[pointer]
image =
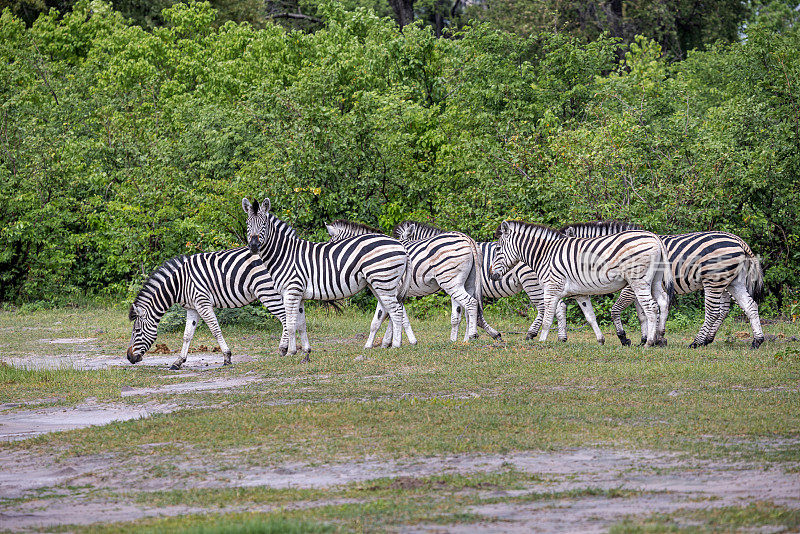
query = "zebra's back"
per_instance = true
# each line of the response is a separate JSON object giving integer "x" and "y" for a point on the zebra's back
{"x": 231, "y": 279}
{"x": 339, "y": 269}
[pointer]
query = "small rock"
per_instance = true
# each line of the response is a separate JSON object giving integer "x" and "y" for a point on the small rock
{"x": 673, "y": 393}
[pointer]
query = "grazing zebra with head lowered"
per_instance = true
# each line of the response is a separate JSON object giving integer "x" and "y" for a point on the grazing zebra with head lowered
{"x": 330, "y": 271}
{"x": 439, "y": 260}
{"x": 719, "y": 263}
{"x": 200, "y": 283}
{"x": 576, "y": 267}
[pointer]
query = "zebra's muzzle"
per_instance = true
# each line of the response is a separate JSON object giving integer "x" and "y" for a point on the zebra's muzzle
{"x": 254, "y": 244}
{"x": 131, "y": 357}
{"x": 495, "y": 276}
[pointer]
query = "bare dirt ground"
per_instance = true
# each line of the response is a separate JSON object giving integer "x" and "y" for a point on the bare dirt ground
{"x": 42, "y": 490}
{"x": 670, "y": 482}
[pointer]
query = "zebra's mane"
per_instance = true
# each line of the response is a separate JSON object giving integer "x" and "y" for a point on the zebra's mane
{"x": 548, "y": 230}
{"x": 153, "y": 282}
{"x": 601, "y": 227}
{"x": 424, "y": 226}
{"x": 355, "y": 227}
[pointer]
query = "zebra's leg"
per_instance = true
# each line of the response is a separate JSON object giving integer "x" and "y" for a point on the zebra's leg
{"x": 377, "y": 321}
{"x": 561, "y": 319}
{"x": 724, "y": 310}
{"x": 534, "y": 292}
{"x": 486, "y": 326}
{"x": 462, "y": 297}
{"x": 662, "y": 300}
{"x": 551, "y": 303}
{"x": 192, "y": 317}
{"x": 455, "y": 318}
{"x": 750, "y": 308}
{"x": 412, "y": 339}
{"x": 301, "y": 327}
{"x": 207, "y": 313}
{"x": 643, "y": 293}
{"x": 642, "y": 320}
{"x": 626, "y": 297}
{"x": 713, "y": 297}
{"x": 292, "y": 301}
{"x": 586, "y": 306}
{"x": 395, "y": 311}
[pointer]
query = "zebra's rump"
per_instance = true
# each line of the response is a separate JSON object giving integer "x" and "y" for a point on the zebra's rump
{"x": 705, "y": 259}
{"x": 437, "y": 259}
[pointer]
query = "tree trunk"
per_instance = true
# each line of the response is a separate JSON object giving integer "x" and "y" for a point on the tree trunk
{"x": 403, "y": 10}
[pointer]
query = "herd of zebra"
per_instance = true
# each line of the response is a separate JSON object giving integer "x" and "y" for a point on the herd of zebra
{"x": 281, "y": 271}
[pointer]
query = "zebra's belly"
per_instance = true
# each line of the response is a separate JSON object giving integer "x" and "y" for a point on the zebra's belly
{"x": 421, "y": 289}
{"x": 321, "y": 292}
{"x": 594, "y": 287}
{"x": 232, "y": 301}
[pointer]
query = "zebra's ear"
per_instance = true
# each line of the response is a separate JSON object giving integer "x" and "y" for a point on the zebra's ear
{"x": 265, "y": 207}
{"x": 330, "y": 229}
{"x": 246, "y": 205}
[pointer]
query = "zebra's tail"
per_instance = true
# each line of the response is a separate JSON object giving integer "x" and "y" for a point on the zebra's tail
{"x": 475, "y": 279}
{"x": 669, "y": 277}
{"x": 754, "y": 277}
{"x": 405, "y": 283}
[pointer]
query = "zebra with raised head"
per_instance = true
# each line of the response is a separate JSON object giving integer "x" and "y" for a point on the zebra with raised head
{"x": 576, "y": 267}
{"x": 719, "y": 263}
{"x": 305, "y": 270}
{"x": 201, "y": 282}
{"x": 442, "y": 260}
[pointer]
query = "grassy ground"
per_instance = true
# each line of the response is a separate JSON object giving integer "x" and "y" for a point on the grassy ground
{"x": 722, "y": 403}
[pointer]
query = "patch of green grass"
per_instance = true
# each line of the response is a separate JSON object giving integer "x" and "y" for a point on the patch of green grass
{"x": 725, "y": 519}
{"x": 241, "y": 523}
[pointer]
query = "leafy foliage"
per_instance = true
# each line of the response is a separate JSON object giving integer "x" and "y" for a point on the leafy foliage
{"x": 121, "y": 147}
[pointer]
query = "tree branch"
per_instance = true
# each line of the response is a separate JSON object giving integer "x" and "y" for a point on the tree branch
{"x": 298, "y": 16}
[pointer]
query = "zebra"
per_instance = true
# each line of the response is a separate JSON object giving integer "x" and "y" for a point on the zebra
{"x": 719, "y": 263}
{"x": 439, "y": 260}
{"x": 330, "y": 271}
{"x": 569, "y": 266}
{"x": 519, "y": 278}
{"x": 201, "y": 282}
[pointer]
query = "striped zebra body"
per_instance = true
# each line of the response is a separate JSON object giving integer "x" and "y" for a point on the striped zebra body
{"x": 578, "y": 267}
{"x": 439, "y": 260}
{"x": 329, "y": 271}
{"x": 719, "y": 263}
{"x": 201, "y": 282}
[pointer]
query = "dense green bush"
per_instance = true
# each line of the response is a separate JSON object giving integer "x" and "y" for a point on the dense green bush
{"x": 121, "y": 147}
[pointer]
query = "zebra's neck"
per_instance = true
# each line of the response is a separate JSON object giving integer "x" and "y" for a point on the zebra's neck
{"x": 164, "y": 288}
{"x": 535, "y": 244}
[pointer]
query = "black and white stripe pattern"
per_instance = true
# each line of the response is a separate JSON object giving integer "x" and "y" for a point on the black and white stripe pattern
{"x": 329, "y": 271}
{"x": 719, "y": 263}
{"x": 200, "y": 283}
{"x": 449, "y": 261}
{"x": 578, "y": 267}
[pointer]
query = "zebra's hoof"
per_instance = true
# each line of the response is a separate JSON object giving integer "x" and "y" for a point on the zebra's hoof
{"x": 562, "y": 339}
{"x": 174, "y": 367}
{"x": 624, "y": 340}
{"x": 530, "y": 336}
{"x": 498, "y": 337}
{"x": 694, "y": 345}
{"x": 757, "y": 342}
{"x": 602, "y": 341}
{"x": 662, "y": 342}
{"x": 306, "y": 359}
{"x": 282, "y": 351}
